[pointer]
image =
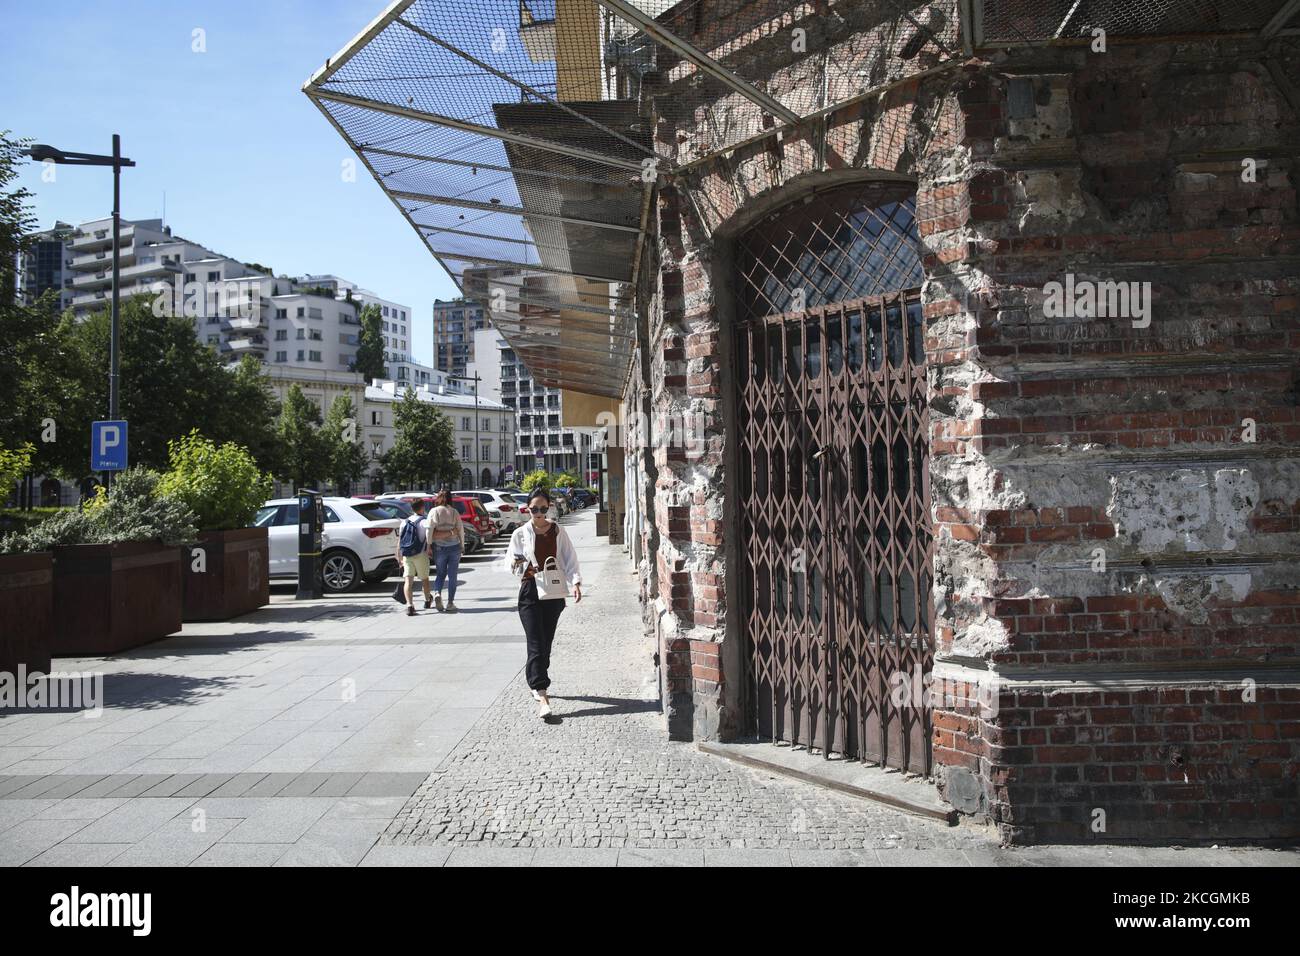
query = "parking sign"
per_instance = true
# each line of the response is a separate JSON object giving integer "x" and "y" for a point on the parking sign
{"x": 108, "y": 446}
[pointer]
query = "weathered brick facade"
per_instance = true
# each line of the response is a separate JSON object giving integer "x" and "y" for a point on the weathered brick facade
{"x": 1116, "y": 502}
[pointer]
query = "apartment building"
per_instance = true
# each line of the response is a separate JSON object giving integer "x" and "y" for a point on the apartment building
{"x": 454, "y": 323}
{"x": 484, "y": 431}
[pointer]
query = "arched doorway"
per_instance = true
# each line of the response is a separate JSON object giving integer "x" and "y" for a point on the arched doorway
{"x": 833, "y": 474}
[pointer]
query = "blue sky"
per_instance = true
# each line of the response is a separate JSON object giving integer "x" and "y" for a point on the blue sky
{"x": 249, "y": 166}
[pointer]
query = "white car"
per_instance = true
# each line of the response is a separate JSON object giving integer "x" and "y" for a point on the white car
{"x": 359, "y": 541}
{"x": 501, "y": 507}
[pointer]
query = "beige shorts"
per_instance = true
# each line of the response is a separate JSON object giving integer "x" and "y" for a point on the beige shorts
{"x": 416, "y": 565}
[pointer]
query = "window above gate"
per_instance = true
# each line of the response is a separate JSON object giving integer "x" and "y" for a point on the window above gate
{"x": 849, "y": 242}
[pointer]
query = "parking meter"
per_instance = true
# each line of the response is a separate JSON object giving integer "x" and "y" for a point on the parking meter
{"x": 311, "y": 523}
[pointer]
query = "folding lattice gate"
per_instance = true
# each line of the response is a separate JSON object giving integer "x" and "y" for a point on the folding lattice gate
{"x": 834, "y": 486}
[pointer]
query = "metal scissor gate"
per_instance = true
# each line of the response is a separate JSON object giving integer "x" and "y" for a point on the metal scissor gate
{"x": 833, "y": 475}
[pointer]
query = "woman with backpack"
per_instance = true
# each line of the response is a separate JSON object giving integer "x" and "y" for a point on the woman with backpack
{"x": 446, "y": 543}
{"x": 543, "y": 554}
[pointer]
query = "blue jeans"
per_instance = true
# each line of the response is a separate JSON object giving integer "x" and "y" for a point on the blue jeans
{"x": 446, "y": 559}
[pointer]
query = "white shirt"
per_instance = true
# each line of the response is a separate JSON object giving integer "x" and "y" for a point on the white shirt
{"x": 523, "y": 544}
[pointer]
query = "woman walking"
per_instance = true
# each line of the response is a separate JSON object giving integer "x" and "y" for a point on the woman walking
{"x": 532, "y": 546}
{"x": 447, "y": 541}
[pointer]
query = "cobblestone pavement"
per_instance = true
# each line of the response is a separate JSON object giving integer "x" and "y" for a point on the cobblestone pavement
{"x": 603, "y": 774}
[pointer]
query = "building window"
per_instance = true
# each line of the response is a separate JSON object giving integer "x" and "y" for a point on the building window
{"x": 465, "y": 424}
{"x": 302, "y": 333}
{"x": 301, "y": 312}
{"x": 282, "y": 356}
{"x": 464, "y": 451}
{"x": 300, "y": 355}
{"x": 313, "y": 356}
{"x": 281, "y": 313}
{"x": 214, "y": 276}
{"x": 281, "y": 335}
{"x": 376, "y": 418}
{"x": 315, "y": 335}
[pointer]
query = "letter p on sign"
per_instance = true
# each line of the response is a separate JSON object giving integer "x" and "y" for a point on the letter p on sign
{"x": 108, "y": 446}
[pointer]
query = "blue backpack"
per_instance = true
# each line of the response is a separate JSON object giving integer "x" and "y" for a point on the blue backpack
{"x": 411, "y": 544}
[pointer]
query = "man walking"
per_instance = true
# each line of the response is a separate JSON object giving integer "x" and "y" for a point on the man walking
{"x": 413, "y": 553}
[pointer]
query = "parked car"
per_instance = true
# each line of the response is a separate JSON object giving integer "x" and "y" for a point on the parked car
{"x": 501, "y": 507}
{"x": 579, "y": 498}
{"x": 475, "y": 515}
{"x": 359, "y": 542}
{"x": 402, "y": 508}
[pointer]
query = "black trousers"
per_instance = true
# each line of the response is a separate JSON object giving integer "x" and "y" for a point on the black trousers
{"x": 539, "y": 619}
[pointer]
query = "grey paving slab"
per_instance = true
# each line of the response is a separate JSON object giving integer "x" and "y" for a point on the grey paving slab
{"x": 270, "y": 784}
{"x": 337, "y": 784}
{"x": 9, "y": 784}
{"x": 36, "y": 786}
{"x": 304, "y": 785}
{"x": 924, "y": 857}
{"x": 29, "y": 839}
{"x": 79, "y": 854}
{"x": 138, "y": 784}
{"x": 490, "y": 856}
{"x": 81, "y": 808}
{"x": 16, "y": 811}
{"x": 389, "y": 855}
{"x": 283, "y": 820}
{"x": 660, "y": 857}
{"x": 105, "y": 785}
{"x": 175, "y": 843}
{"x": 242, "y": 854}
{"x": 571, "y": 856}
{"x": 387, "y": 784}
{"x": 366, "y": 808}
{"x": 728, "y": 856}
{"x": 333, "y": 842}
{"x": 839, "y": 858}
{"x": 237, "y": 785}
{"x": 133, "y": 820}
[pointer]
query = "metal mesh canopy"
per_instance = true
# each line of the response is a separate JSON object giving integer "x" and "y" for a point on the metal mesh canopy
{"x": 518, "y": 137}
{"x": 1012, "y": 20}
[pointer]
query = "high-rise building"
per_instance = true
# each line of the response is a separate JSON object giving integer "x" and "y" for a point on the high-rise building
{"x": 541, "y": 438}
{"x": 454, "y": 323}
{"x": 45, "y": 265}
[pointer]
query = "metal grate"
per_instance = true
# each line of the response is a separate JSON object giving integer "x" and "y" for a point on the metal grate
{"x": 1036, "y": 20}
{"x": 834, "y": 492}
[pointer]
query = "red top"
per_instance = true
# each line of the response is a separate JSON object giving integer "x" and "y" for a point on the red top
{"x": 544, "y": 547}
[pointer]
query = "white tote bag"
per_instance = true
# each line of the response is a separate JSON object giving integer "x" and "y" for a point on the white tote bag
{"x": 550, "y": 582}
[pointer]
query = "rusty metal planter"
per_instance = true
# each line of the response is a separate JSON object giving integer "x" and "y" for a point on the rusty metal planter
{"x": 234, "y": 581}
{"x": 26, "y": 611}
{"x": 112, "y": 597}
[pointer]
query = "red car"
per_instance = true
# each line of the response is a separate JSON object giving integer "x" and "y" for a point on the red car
{"x": 474, "y": 514}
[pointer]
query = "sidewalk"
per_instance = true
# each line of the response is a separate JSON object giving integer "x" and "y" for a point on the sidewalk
{"x": 341, "y": 732}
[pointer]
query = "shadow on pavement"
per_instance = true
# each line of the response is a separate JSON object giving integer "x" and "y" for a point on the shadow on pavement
{"x": 614, "y": 706}
{"x": 130, "y": 691}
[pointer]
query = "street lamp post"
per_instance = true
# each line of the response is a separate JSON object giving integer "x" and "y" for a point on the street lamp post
{"x": 42, "y": 153}
{"x": 477, "y": 451}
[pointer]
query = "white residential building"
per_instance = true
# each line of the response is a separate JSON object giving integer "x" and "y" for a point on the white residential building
{"x": 489, "y": 425}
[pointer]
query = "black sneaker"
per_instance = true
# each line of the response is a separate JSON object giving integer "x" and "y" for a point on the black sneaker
{"x": 410, "y": 612}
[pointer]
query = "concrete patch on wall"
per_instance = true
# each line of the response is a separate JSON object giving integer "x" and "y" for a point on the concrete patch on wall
{"x": 1187, "y": 595}
{"x": 1184, "y": 510}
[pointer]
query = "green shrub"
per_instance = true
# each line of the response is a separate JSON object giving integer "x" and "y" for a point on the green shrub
{"x": 135, "y": 510}
{"x": 221, "y": 484}
{"x": 14, "y": 463}
{"x": 534, "y": 480}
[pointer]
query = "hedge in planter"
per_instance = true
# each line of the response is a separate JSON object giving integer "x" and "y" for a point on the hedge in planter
{"x": 26, "y": 589}
{"x": 226, "y": 572}
{"x": 117, "y": 569}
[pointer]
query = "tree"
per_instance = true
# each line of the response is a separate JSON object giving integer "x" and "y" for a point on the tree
{"x": 304, "y": 457}
{"x": 248, "y": 412}
{"x": 347, "y": 450}
{"x": 370, "y": 345}
{"x": 425, "y": 449}
{"x": 16, "y": 220}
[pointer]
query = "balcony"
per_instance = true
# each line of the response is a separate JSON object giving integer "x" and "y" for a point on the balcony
{"x": 247, "y": 324}
{"x": 104, "y": 278}
{"x": 99, "y": 239}
{"x": 245, "y": 344}
{"x": 103, "y": 259}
